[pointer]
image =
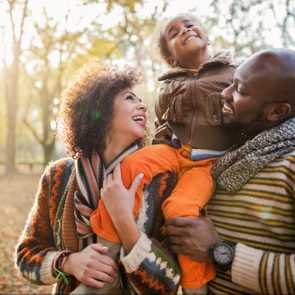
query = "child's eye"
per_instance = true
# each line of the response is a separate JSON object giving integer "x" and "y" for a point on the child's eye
{"x": 173, "y": 34}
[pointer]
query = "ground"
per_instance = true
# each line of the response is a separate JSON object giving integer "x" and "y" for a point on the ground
{"x": 16, "y": 198}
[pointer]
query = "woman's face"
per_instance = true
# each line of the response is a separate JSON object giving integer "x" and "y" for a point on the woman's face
{"x": 129, "y": 120}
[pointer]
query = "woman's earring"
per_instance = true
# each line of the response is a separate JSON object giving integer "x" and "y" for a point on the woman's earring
{"x": 175, "y": 63}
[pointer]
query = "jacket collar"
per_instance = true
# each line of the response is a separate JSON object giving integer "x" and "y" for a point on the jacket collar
{"x": 221, "y": 57}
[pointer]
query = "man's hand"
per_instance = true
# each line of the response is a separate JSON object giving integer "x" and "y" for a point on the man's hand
{"x": 192, "y": 237}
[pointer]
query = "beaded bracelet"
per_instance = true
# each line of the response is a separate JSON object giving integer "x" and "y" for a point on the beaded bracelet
{"x": 57, "y": 265}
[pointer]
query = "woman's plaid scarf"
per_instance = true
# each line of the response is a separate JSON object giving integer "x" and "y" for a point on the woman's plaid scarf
{"x": 90, "y": 173}
{"x": 237, "y": 166}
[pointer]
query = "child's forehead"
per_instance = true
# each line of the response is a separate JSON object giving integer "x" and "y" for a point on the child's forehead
{"x": 178, "y": 19}
{"x": 175, "y": 21}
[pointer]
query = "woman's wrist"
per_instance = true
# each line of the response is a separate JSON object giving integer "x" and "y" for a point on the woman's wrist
{"x": 66, "y": 265}
{"x": 128, "y": 232}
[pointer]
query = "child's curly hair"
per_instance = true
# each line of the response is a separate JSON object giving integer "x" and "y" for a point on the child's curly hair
{"x": 87, "y": 107}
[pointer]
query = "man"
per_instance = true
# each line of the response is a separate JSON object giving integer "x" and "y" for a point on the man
{"x": 251, "y": 238}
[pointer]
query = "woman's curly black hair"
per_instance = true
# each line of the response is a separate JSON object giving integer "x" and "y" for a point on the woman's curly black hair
{"x": 87, "y": 106}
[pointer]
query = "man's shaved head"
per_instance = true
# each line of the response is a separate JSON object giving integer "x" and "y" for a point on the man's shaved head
{"x": 262, "y": 94}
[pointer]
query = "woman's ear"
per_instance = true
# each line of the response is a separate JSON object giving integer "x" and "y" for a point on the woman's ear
{"x": 172, "y": 62}
{"x": 277, "y": 112}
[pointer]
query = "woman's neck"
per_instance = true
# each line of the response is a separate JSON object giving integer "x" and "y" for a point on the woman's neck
{"x": 113, "y": 149}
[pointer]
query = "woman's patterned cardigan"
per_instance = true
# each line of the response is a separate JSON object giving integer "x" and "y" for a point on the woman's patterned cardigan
{"x": 50, "y": 228}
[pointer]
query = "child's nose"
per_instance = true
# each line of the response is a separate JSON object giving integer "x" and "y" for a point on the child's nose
{"x": 185, "y": 30}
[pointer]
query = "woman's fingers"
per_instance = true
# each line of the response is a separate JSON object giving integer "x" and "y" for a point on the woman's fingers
{"x": 93, "y": 283}
{"x": 104, "y": 259}
{"x": 99, "y": 247}
{"x": 117, "y": 173}
{"x": 100, "y": 275}
{"x": 135, "y": 183}
{"x": 110, "y": 178}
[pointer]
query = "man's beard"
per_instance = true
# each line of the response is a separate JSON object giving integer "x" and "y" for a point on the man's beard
{"x": 245, "y": 131}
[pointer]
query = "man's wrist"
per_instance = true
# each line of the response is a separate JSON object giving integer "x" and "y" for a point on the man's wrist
{"x": 222, "y": 254}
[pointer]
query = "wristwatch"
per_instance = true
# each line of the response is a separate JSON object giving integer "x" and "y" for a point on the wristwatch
{"x": 223, "y": 254}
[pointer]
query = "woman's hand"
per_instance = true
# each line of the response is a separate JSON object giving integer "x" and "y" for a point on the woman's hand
{"x": 119, "y": 203}
{"x": 118, "y": 200}
{"x": 91, "y": 266}
{"x": 192, "y": 237}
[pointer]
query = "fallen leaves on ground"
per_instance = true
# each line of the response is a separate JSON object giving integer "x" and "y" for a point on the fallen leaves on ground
{"x": 16, "y": 198}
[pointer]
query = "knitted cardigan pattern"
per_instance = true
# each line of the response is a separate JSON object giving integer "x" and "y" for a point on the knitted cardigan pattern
{"x": 148, "y": 269}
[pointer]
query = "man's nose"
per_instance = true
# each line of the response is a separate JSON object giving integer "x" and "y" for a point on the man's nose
{"x": 227, "y": 93}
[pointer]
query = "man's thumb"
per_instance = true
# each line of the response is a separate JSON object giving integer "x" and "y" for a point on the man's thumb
{"x": 136, "y": 182}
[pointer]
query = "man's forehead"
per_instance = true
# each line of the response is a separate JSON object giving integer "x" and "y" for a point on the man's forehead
{"x": 254, "y": 68}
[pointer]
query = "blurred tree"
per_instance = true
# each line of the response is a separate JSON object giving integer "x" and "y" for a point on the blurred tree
{"x": 46, "y": 62}
{"x": 234, "y": 27}
{"x": 285, "y": 19}
{"x": 18, "y": 12}
{"x": 246, "y": 27}
{"x": 3, "y": 118}
{"x": 56, "y": 51}
{"x": 133, "y": 34}
{"x": 137, "y": 39}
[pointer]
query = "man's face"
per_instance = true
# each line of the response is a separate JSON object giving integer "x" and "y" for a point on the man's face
{"x": 247, "y": 97}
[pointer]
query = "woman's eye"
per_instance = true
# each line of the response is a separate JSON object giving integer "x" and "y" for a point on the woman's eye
{"x": 129, "y": 97}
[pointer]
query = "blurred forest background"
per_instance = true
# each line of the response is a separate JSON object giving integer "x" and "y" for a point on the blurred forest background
{"x": 43, "y": 43}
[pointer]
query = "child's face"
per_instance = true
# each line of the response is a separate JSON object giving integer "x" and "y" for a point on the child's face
{"x": 185, "y": 41}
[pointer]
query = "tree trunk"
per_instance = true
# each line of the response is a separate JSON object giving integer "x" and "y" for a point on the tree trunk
{"x": 10, "y": 138}
{"x": 11, "y": 86}
{"x": 12, "y": 106}
{"x": 47, "y": 152}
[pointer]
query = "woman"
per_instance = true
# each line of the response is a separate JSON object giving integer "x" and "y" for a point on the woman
{"x": 103, "y": 121}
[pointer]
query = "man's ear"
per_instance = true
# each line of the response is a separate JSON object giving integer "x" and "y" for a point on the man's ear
{"x": 277, "y": 112}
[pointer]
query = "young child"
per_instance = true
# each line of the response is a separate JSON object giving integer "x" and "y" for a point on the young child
{"x": 189, "y": 123}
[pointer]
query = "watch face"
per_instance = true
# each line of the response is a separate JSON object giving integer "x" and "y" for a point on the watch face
{"x": 223, "y": 254}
